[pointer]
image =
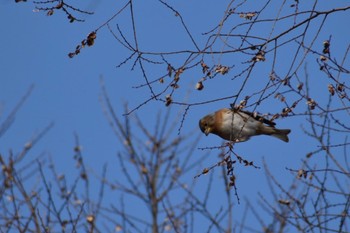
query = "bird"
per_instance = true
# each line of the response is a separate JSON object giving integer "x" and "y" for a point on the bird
{"x": 239, "y": 125}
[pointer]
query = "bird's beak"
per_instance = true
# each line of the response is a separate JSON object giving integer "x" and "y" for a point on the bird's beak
{"x": 207, "y": 131}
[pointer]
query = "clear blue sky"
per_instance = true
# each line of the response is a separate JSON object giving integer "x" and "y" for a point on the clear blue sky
{"x": 34, "y": 48}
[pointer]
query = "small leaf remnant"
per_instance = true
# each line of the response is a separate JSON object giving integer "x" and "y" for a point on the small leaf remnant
{"x": 168, "y": 100}
{"x": 302, "y": 173}
{"x": 199, "y": 86}
{"x": 326, "y": 45}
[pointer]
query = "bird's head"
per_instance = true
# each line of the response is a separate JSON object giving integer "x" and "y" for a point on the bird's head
{"x": 206, "y": 124}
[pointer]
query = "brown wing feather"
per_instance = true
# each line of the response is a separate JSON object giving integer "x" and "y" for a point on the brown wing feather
{"x": 259, "y": 118}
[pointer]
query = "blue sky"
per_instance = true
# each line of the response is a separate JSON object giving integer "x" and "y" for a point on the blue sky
{"x": 66, "y": 91}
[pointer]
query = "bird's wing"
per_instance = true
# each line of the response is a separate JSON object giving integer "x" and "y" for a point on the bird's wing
{"x": 259, "y": 118}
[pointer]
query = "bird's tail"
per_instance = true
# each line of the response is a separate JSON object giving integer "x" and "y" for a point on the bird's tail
{"x": 282, "y": 134}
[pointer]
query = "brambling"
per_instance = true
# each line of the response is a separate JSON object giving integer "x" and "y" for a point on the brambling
{"x": 239, "y": 126}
